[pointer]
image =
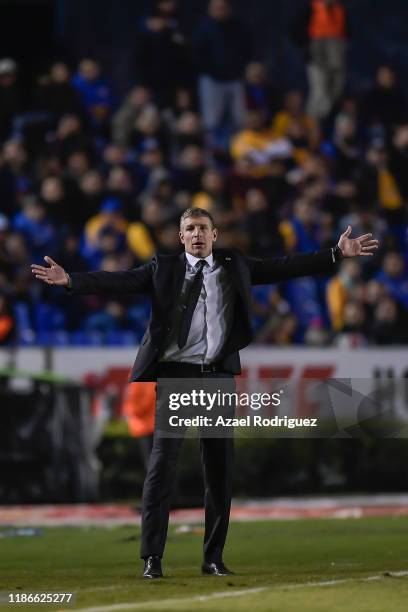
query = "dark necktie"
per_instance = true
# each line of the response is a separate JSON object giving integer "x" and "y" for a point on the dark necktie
{"x": 191, "y": 303}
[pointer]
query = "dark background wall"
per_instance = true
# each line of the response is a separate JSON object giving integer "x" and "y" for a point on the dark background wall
{"x": 36, "y": 31}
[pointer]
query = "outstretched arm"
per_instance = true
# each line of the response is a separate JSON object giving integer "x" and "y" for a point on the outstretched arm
{"x": 138, "y": 280}
{"x": 276, "y": 269}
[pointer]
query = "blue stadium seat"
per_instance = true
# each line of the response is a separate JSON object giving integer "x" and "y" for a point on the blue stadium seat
{"x": 303, "y": 298}
{"x": 60, "y": 338}
{"x": 139, "y": 315}
{"x": 48, "y": 317}
{"x": 120, "y": 338}
{"x": 25, "y": 335}
{"x": 82, "y": 338}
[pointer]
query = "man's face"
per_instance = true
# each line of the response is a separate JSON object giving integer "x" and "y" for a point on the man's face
{"x": 198, "y": 235}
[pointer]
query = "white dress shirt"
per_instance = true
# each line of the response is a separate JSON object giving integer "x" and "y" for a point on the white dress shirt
{"x": 212, "y": 318}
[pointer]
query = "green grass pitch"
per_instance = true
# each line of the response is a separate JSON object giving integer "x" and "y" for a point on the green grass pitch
{"x": 277, "y": 565}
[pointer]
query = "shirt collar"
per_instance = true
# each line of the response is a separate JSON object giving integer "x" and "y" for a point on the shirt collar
{"x": 192, "y": 260}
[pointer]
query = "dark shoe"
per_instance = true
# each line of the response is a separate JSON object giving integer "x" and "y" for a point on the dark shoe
{"x": 152, "y": 568}
{"x": 215, "y": 569}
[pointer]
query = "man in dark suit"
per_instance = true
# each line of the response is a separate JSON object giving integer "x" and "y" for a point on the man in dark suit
{"x": 200, "y": 320}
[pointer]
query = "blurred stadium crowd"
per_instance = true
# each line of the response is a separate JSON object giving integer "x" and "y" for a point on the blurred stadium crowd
{"x": 99, "y": 182}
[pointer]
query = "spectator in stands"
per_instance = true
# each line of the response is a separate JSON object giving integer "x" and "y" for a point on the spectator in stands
{"x": 70, "y": 254}
{"x": 388, "y": 326}
{"x": 353, "y": 333}
{"x": 394, "y": 277}
{"x": 6, "y": 322}
{"x": 267, "y": 304}
{"x": 116, "y": 155}
{"x": 78, "y": 163}
{"x": 129, "y": 112}
{"x": 5, "y": 263}
{"x": 322, "y": 30}
{"x": 160, "y": 186}
{"x": 56, "y": 95}
{"x": 15, "y": 175}
{"x": 95, "y": 93}
{"x": 149, "y": 130}
{"x": 260, "y": 94}
{"x": 213, "y": 193}
{"x": 14, "y": 261}
{"x": 59, "y": 209}
{"x": 398, "y": 159}
{"x": 70, "y": 137}
{"x": 346, "y": 146}
{"x": 10, "y": 96}
{"x": 311, "y": 175}
{"x": 222, "y": 49}
{"x": 187, "y": 130}
{"x": 167, "y": 239}
{"x": 374, "y": 291}
{"x": 377, "y": 185}
{"x": 141, "y": 234}
{"x": 292, "y": 122}
{"x": 340, "y": 290}
{"x": 105, "y": 233}
{"x": 301, "y": 231}
{"x": 279, "y": 330}
{"x": 185, "y": 102}
{"x": 163, "y": 58}
{"x": 14, "y": 252}
{"x": 316, "y": 335}
{"x": 258, "y": 145}
{"x": 91, "y": 190}
{"x": 190, "y": 169}
{"x": 53, "y": 97}
{"x": 261, "y": 226}
{"x": 385, "y": 104}
{"x": 119, "y": 185}
{"x": 39, "y": 232}
{"x": 150, "y": 160}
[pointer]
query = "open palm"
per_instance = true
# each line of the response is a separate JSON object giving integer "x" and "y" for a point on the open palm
{"x": 353, "y": 247}
{"x": 54, "y": 275}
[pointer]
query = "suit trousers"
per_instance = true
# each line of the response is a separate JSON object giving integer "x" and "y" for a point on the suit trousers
{"x": 216, "y": 460}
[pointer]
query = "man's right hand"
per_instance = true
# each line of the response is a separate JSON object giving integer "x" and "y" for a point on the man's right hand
{"x": 54, "y": 275}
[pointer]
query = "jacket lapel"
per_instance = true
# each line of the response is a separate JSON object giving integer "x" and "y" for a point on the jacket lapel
{"x": 179, "y": 275}
{"x": 227, "y": 261}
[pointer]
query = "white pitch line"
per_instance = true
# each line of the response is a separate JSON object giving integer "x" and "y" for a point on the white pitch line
{"x": 161, "y": 602}
{"x": 240, "y": 593}
{"x": 401, "y": 574}
{"x": 112, "y": 587}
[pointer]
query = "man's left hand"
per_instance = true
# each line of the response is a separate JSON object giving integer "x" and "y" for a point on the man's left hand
{"x": 352, "y": 247}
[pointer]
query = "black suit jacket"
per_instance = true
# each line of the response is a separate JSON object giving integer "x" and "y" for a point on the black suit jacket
{"x": 162, "y": 279}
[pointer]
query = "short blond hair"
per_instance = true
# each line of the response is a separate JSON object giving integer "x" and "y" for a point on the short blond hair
{"x": 196, "y": 212}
